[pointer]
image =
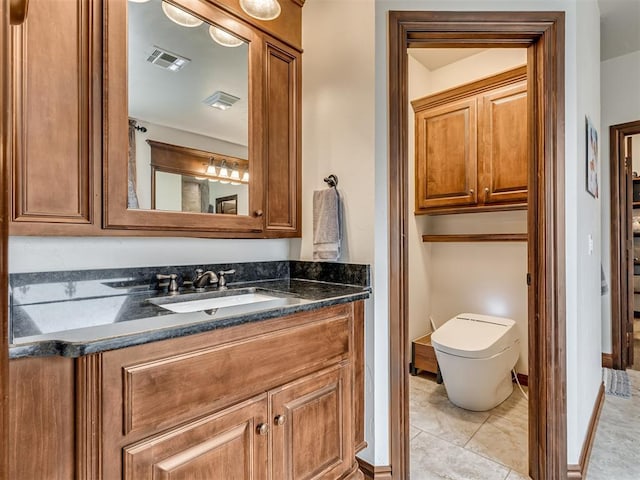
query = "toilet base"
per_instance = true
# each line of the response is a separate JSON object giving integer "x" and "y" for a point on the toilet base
{"x": 503, "y": 391}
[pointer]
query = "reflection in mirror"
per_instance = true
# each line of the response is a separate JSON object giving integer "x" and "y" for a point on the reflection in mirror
{"x": 188, "y": 110}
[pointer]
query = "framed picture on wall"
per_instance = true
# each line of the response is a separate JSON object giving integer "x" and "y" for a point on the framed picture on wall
{"x": 592, "y": 158}
{"x": 227, "y": 205}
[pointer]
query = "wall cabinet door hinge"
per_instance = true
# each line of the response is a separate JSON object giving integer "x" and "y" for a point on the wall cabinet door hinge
{"x": 528, "y": 279}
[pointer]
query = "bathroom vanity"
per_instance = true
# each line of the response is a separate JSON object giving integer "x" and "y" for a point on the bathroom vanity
{"x": 270, "y": 390}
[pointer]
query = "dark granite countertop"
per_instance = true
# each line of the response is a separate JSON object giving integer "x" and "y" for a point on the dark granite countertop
{"x": 78, "y": 317}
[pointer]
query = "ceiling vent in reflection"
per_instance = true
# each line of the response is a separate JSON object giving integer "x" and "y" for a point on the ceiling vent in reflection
{"x": 221, "y": 100}
{"x": 170, "y": 61}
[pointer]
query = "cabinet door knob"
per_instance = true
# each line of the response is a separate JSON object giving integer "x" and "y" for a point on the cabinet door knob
{"x": 258, "y": 213}
{"x": 280, "y": 419}
{"x": 472, "y": 191}
{"x": 486, "y": 190}
{"x": 262, "y": 429}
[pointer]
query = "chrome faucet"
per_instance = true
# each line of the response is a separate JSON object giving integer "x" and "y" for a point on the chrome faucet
{"x": 202, "y": 279}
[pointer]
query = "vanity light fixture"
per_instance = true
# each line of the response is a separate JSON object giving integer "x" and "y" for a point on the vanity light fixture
{"x": 235, "y": 175}
{"x": 223, "y": 173}
{"x": 179, "y": 16}
{"x": 261, "y": 9}
{"x": 224, "y": 38}
{"x": 221, "y": 100}
{"x": 245, "y": 176}
{"x": 211, "y": 168}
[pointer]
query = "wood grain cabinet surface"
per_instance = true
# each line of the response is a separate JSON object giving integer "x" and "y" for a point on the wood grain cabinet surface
{"x": 279, "y": 399}
{"x": 472, "y": 146}
{"x": 69, "y": 157}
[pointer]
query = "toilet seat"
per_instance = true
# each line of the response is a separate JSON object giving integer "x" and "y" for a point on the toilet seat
{"x": 470, "y": 335}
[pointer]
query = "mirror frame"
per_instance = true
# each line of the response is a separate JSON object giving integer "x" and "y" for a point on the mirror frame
{"x": 116, "y": 142}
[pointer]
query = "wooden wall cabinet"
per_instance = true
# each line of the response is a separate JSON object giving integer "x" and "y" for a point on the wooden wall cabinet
{"x": 70, "y": 124}
{"x": 280, "y": 399}
{"x": 472, "y": 146}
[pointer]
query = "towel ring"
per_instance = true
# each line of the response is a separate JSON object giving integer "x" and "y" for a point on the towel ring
{"x": 332, "y": 180}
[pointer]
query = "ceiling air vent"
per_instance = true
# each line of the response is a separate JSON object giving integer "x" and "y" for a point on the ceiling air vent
{"x": 221, "y": 100}
{"x": 165, "y": 59}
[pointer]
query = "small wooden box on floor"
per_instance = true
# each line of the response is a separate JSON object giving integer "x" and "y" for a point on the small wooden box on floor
{"x": 423, "y": 356}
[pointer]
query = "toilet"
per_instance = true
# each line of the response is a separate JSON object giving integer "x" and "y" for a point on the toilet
{"x": 476, "y": 354}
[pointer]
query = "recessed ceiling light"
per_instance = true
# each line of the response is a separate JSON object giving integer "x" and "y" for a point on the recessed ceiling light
{"x": 261, "y": 9}
{"x": 224, "y": 38}
{"x": 179, "y": 16}
{"x": 221, "y": 100}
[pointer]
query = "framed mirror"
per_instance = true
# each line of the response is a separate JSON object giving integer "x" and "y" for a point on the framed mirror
{"x": 183, "y": 134}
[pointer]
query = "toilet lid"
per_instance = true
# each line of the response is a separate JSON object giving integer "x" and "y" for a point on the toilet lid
{"x": 472, "y": 335}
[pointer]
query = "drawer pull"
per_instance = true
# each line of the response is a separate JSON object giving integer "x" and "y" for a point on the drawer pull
{"x": 280, "y": 419}
{"x": 262, "y": 429}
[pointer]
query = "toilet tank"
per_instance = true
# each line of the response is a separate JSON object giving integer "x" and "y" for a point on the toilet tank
{"x": 472, "y": 335}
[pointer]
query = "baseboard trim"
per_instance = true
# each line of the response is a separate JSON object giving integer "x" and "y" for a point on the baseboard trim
{"x": 374, "y": 473}
{"x": 607, "y": 360}
{"x": 578, "y": 472}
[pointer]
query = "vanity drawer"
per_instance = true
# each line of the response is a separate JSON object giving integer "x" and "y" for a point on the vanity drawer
{"x": 184, "y": 385}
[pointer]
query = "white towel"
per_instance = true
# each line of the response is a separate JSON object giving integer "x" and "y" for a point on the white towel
{"x": 326, "y": 224}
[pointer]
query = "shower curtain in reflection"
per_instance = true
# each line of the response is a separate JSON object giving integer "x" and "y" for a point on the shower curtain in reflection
{"x": 132, "y": 197}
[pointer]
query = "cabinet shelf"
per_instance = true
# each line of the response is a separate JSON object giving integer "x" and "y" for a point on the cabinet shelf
{"x": 477, "y": 237}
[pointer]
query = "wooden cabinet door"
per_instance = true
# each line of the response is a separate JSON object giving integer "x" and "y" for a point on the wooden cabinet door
{"x": 226, "y": 446}
{"x": 282, "y": 137}
{"x": 503, "y": 148}
{"x": 56, "y": 104}
{"x": 311, "y": 434}
{"x": 446, "y": 160}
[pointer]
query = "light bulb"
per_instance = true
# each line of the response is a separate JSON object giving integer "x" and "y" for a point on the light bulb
{"x": 245, "y": 176}
{"x": 223, "y": 172}
{"x": 223, "y": 37}
{"x": 261, "y": 9}
{"x": 211, "y": 170}
{"x": 235, "y": 174}
{"x": 179, "y": 16}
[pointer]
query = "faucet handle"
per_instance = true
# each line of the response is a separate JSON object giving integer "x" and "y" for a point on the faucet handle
{"x": 173, "y": 281}
{"x": 222, "y": 282}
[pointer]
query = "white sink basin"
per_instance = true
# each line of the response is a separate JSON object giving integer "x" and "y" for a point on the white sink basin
{"x": 217, "y": 302}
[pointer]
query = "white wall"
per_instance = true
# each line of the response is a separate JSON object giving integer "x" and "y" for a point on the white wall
{"x": 447, "y": 279}
{"x": 419, "y": 252}
{"x": 43, "y": 254}
{"x": 584, "y": 319}
{"x": 339, "y": 137}
{"x": 170, "y": 185}
{"x": 620, "y": 103}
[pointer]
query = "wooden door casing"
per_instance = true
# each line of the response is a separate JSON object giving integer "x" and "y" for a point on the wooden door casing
{"x": 226, "y": 445}
{"x": 503, "y": 147}
{"x": 312, "y": 443}
{"x": 446, "y": 155}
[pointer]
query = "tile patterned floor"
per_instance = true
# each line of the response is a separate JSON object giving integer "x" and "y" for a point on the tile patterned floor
{"x": 451, "y": 443}
{"x": 616, "y": 448}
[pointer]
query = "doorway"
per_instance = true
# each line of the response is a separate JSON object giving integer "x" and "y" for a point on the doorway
{"x": 625, "y": 245}
{"x": 542, "y": 33}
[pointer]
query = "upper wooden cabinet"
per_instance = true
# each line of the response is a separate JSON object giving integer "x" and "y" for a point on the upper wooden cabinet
{"x": 71, "y": 95}
{"x": 56, "y": 130}
{"x": 472, "y": 146}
